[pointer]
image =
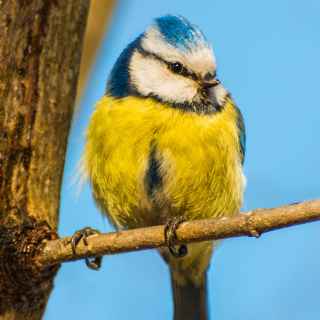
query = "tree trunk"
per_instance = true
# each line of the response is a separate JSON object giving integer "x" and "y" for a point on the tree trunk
{"x": 40, "y": 51}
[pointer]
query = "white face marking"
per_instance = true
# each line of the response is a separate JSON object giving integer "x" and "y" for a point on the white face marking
{"x": 149, "y": 75}
{"x": 152, "y": 76}
{"x": 201, "y": 61}
{"x": 218, "y": 93}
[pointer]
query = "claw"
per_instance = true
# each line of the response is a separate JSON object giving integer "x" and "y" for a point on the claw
{"x": 95, "y": 264}
{"x": 170, "y": 231}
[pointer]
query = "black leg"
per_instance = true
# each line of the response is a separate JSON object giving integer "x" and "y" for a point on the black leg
{"x": 84, "y": 233}
{"x": 170, "y": 231}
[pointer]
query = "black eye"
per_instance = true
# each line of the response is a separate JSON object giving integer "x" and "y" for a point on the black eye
{"x": 176, "y": 67}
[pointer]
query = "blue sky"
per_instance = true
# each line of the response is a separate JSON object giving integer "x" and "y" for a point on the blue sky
{"x": 268, "y": 55}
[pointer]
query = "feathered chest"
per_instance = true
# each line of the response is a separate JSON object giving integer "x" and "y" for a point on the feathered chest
{"x": 144, "y": 156}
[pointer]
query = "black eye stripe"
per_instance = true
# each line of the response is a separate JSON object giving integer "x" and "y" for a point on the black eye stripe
{"x": 184, "y": 72}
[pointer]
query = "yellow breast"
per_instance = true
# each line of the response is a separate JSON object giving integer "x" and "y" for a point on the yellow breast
{"x": 147, "y": 161}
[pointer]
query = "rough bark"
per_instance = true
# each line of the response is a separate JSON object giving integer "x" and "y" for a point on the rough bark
{"x": 252, "y": 223}
{"x": 40, "y": 50}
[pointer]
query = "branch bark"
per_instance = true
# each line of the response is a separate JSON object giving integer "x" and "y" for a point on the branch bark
{"x": 252, "y": 223}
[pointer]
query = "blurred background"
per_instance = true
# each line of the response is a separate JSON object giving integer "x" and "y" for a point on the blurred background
{"x": 268, "y": 55}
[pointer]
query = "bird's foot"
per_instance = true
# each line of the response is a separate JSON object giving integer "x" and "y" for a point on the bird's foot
{"x": 95, "y": 264}
{"x": 170, "y": 231}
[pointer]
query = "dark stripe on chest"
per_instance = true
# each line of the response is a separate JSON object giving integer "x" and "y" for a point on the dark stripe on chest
{"x": 153, "y": 176}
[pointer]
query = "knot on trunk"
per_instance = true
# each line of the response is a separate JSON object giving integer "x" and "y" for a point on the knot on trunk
{"x": 20, "y": 276}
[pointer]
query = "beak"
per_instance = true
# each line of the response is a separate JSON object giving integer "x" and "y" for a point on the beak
{"x": 210, "y": 83}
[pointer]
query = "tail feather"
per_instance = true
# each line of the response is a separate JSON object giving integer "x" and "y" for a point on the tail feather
{"x": 190, "y": 302}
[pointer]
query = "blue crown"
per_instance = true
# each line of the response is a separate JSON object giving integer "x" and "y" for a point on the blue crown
{"x": 181, "y": 33}
{"x": 175, "y": 30}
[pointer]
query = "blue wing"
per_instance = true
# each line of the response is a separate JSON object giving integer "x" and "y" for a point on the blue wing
{"x": 242, "y": 134}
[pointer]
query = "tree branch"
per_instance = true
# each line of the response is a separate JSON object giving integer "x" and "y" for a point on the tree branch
{"x": 252, "y": 223}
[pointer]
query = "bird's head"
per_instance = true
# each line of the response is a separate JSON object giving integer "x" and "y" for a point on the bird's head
{"x": 171, "y": 62}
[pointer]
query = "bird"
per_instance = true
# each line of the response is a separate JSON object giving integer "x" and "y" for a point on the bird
{"x": 166, "y": 144}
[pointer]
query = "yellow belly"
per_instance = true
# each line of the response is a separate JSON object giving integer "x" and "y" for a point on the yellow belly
{"x": 196, "y": 157}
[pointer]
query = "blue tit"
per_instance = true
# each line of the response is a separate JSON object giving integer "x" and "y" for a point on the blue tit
{"x": 166, "y": 141}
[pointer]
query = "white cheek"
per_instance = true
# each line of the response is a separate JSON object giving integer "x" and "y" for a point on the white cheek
{"x": 218, "y": 94}
{"x": 150, "y": 76}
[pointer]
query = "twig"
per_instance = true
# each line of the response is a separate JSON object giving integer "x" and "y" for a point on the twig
{"x": 252, "y": 223}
